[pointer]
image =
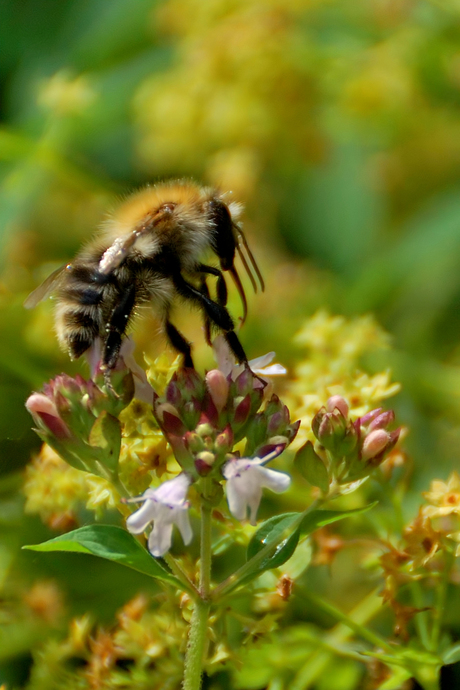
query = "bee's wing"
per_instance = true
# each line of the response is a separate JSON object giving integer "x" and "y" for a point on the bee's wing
{"x": 46, "y": 288}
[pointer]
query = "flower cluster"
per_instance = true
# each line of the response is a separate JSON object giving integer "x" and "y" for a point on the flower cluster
{"x": 331, "y": 365}
{"x": 203, "y": 419}
{"x": 346, "y": 451}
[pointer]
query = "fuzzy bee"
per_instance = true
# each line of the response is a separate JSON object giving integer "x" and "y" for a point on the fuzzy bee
{"x": 151, "y": 251}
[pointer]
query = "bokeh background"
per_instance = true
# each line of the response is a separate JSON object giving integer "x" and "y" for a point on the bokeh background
{"x": 336, "y": 123}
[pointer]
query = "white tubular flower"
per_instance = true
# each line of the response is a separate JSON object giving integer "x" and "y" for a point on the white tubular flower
{"x": 142, "y": 389}
{"x": 165, "y": 507}
{"x": 260, "y": 365}
{"x": 246, "y": 477}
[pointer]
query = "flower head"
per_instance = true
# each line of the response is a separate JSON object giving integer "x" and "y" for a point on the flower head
{"x": 165, "y": 506}
{"x": 246, "y": 477}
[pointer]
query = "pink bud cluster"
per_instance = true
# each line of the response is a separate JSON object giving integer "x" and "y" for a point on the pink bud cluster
{"x": 354, "y": 448}
{"x": 204, "y": 418}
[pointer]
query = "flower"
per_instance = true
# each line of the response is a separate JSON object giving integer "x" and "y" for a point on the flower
{"x": 261, "y": 366}
{"x": 444, "y": 497}
{"x": 246, "y": 477}
{"x": 164, "y": 506}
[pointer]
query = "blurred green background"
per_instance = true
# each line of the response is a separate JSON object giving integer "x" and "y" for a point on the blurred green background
{"x": 336, "y": 123}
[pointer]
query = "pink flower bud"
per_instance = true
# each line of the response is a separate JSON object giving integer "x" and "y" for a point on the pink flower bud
{"x": 370, "y": 416}
{"x": 218, "y": 387}
{"x": 44, "y": 410}
{"x": 382, "y": 421}
{"x": 336, "y": 401}
{"x": 375, "y": 443}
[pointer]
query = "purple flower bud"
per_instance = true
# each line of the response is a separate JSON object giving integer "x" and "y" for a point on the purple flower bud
{"x": 242, "y": 410}
{"x": 169, "y": 419}
{"x": 204, "y": 463}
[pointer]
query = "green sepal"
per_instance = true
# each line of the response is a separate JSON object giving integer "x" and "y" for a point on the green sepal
{"x": 112, "y": 543}
{"x": 65, "y": 451}
{"x": 311, "y": 467}
{"x": 105, "y": 436}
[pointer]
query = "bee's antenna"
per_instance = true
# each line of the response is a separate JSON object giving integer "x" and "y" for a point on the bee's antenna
{"x": 252, "y": 260}
{"x": 240, "y": 288}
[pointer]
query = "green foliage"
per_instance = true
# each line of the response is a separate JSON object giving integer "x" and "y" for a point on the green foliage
{"x": 112, "y": 543}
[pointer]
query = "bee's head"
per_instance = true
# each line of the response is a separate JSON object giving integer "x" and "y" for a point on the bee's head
{"x": 225, "y": 240}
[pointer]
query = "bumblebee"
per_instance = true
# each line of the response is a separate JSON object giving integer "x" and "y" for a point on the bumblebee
{"x": 151, "y": 251}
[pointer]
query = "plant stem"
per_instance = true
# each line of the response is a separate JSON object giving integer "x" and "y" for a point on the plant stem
{"x": 421, "y": 620}
{"x": 205, "y": 570}
{"x": 196, "y": 646}
{"x": 197, "y": 638}
{"x": 374, "y": 603}
{"x": 441, "y": 601}
{"x": 331, "y": 644}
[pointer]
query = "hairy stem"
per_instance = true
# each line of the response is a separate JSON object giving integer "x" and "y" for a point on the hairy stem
{"x": 196, "y": 646}
{"x": 197, "y": 638}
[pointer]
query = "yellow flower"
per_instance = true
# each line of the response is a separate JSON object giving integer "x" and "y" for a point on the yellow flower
{"x": 443, "y": 497}
{"x": 53, "y": 489}
{"x": 333, "y": 348}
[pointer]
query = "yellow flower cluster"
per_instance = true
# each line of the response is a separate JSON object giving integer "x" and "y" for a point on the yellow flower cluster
{"x": 334, "y": 347}
{"x": 54, "y": 489}
{"x": 239, "y": 93}
{"x": 143, "y": 649}
{"x": 444, "y": 508}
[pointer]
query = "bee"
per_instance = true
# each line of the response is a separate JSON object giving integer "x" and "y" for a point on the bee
{"x": 151, "y": 251}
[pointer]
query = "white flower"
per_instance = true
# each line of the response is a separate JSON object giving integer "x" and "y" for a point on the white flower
{"x": 164, "y": 506}
{"x": 260, "y": 365}
{"x": 246, "y": 477}
{"x": 142, "y": 389}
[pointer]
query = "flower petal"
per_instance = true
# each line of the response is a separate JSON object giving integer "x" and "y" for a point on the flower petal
{"x": 138, "y": 521}
{"x": 160, "y": 538}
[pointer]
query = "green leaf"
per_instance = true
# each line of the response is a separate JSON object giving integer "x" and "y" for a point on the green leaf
{"x": 271, "y": 530}
{"x": 320, "y": 518}
{"x": 106, "y": 436}
{"x": 311, "y": 467}
{"x": 268, "y": 532}
{"x": 112, "y": 543}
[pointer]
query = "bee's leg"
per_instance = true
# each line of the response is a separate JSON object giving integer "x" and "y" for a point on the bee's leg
{"x": 217, "y": 314}
{"x": 115, "y": 330}
{"x": 179, "y": 343}
{"x": 222, "y": 293}
{"x": 207, "y": 322}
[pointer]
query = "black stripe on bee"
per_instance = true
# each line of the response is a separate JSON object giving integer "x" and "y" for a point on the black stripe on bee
{"x": 81, "y": 320}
